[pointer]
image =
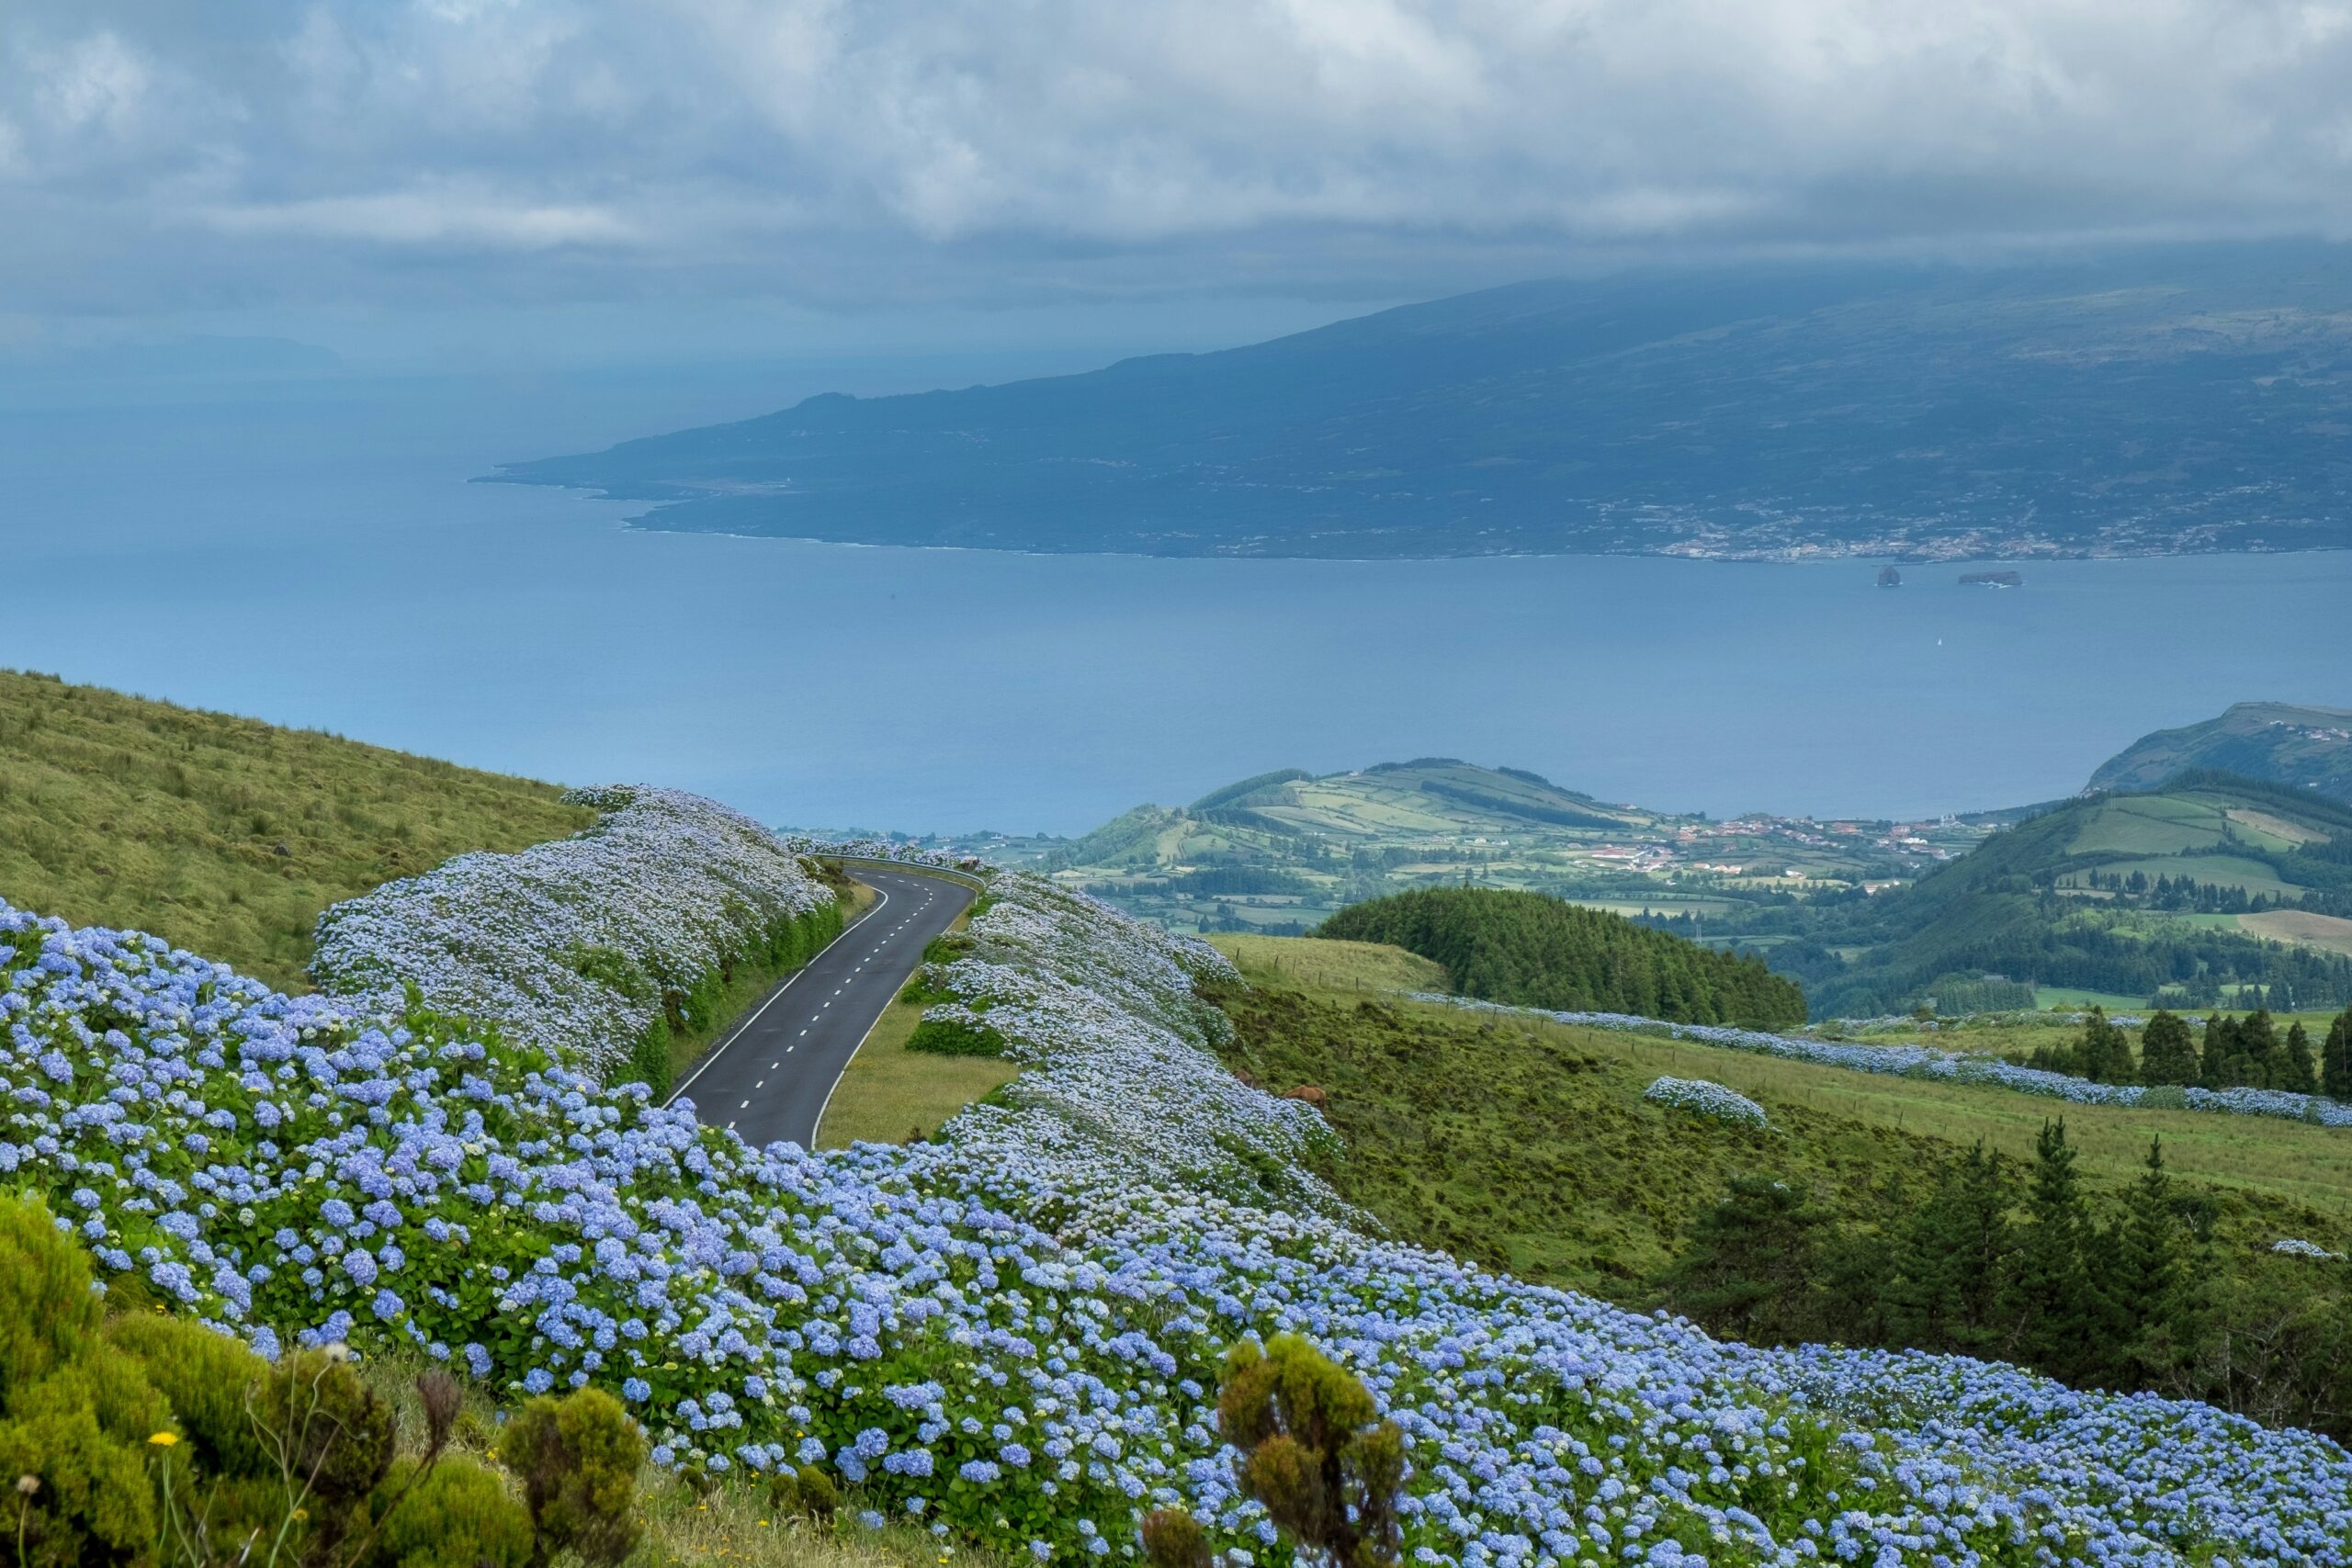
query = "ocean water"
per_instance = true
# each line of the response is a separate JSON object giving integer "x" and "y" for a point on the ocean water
{"x": 311, "y": 553}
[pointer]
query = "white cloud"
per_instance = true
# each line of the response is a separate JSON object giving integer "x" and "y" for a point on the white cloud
{"x": 427, "y": 218}
{"x": 96, "y": 81}
{"x": 971, "y": 146}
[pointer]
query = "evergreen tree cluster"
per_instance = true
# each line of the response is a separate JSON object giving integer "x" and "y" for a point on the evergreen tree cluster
{"x": 1991, "y": 1260}
{"x": 2233, "y": 1052}
{"x": 1528, "y": 950}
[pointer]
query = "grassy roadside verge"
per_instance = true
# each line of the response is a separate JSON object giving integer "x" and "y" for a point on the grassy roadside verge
{"x": 889, "y": 1094}
{"x": 750, "y": 982}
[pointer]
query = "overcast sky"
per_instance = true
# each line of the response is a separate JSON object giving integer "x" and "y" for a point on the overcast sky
{"x": 245, "y": 163}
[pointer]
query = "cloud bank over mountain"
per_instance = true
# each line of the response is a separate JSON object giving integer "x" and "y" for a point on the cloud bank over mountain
{"x": 164, "y": 157}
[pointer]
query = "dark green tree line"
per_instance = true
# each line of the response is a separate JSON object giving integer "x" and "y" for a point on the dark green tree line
{"x": 1531, "y": 950}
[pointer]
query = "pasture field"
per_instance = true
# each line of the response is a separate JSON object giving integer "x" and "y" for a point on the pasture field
{"x": 2066, "y": 997}
{"x": 2252, "y": 876}
{"x": 2330, "y": 932}
{"x": 2151, "y": 825}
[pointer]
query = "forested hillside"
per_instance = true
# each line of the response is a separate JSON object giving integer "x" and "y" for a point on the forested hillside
{"x": 225, "y": 835}
{"x": 1530, "y": 951}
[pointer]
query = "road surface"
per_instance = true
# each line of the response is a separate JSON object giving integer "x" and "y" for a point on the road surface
{"x": 770, "y": 1077}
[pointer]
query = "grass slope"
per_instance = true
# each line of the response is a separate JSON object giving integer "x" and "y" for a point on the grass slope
{"x": 222, "y": 834}
{"x": 2304, "y": 748}
{"x": 1527, "y": 1145}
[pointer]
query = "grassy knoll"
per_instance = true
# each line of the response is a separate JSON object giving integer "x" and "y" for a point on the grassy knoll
{"x": 1527, "y": 1145}
{"x": 1332, "y": 965}
{"x": 889, "y": 1094}
{"x": 225, "y": 835}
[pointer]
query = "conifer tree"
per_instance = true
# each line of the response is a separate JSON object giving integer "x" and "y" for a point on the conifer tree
{"x": 2297, "y": 1070}
{"x": 1749, "y": 1272}
{"x": 2167, "y": 1050}
{"x": 2142, "y": 1257}
{"x": 2258, "y": 1043}
{"x": 2223, "y": 1063}
{"x": 2335, "y": 1060}
{"x": 1944, "y": 1280}
{"x": 2103, "y": 1053}
{"x": 2051, "y": 1313}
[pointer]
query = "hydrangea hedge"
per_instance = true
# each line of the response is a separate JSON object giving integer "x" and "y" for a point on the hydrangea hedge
{"x": 1703, "y": 1096}
{"x": 597, "y": 947}
{"x": 1949, "y": 1067}
{"x": 1014, "y": 1332}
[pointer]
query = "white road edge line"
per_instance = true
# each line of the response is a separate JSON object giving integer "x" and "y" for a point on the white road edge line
{"x": 763, "y": 1007}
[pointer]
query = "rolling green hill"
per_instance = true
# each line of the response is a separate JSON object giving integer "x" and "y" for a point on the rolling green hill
{"x": 225, "y": 835}
{"x": 1526, "y": 950}
{"x": 1282, "y": 850}
{"x": 1530, "y": 1147}
{"x": 2176, "y": 895}
{"x": 2304, "y": 748}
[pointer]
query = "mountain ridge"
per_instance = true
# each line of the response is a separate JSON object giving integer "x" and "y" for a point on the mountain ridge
{"x": 2297, "y": 745}
{"x": 2152, "y": 403}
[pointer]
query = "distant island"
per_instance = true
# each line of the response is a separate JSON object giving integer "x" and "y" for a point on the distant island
{"x": 2154, "y": 403}
{"x": 1992, "y": 580}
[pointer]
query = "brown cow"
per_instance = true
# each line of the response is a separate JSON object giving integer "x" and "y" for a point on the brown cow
{"x": 1307, "y": 1092}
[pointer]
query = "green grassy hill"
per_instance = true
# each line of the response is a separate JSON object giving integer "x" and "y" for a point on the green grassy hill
{"x": 2303, "y": 747}
{"x": 1282, "y": 850}
{"x": 225, "y": 835}
{"x": 1529, "y": 1147}
{"x": 2212, "y": 883}
{"x": 1526, "y": 950}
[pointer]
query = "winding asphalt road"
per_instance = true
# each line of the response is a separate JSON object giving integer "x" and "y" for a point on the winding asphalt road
{"x": 772, "y": 1077}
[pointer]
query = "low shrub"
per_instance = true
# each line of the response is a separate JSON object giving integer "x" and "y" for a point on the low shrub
{"x": 807, "y": 1492}
{"x": 578, "y": 1458}
{"x": 459, "y": 1515}
{"x": 152, "y": 1440}
{"x": 1314, "y": 1450}
{"x": 954, "y": 1030}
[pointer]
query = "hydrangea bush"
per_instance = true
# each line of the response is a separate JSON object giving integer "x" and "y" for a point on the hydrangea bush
{"x": 1014, "y": 1332}
{"x": 1702, "y": 1097}
{"x": 1949, "y": 1067}
{"x": 584, "y": 946}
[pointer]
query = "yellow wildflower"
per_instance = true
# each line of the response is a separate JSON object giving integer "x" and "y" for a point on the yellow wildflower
{"x": 164, "y": 1440}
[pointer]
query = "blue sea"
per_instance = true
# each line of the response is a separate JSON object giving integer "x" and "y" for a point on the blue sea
{"x": 310, "y": 551}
